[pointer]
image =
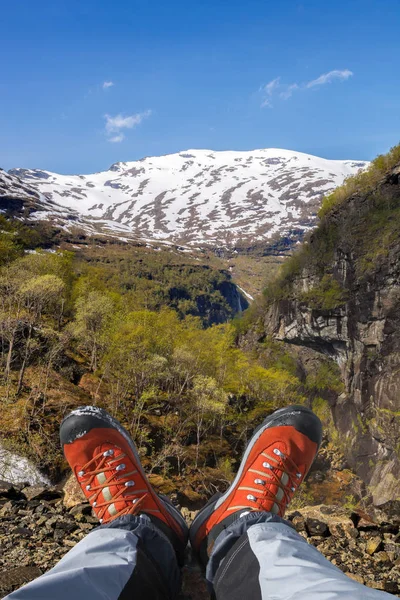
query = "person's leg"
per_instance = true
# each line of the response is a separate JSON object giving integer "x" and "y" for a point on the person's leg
{"x": 241, "y": 537}
{"x": 261, "y": 557}
{"x": 137, "y": 550}
{"x": 127, "y": 559}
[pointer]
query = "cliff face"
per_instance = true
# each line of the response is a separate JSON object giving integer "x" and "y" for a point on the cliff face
{"x": 342, "y": 298}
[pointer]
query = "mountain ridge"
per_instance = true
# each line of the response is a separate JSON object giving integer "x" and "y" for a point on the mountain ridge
{"x": 194, "y": 197}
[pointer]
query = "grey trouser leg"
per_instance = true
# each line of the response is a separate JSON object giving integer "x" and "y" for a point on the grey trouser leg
{"x": 260, "y": 557}
{"x": 129, "y": 558}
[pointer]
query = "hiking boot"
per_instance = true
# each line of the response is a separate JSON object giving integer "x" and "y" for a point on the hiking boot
{"x": 107, "y": 466}
{"x": 277, "y": 458}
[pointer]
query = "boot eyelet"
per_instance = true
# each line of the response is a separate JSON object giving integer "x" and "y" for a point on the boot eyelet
{"x": 266, "y": 465}
{"x": 259, "y": 481}
{"x": 81, "y": 473}
{"x": 108, "y": 453}
{"x": 120, "y": 467}
{"x": 129, "y": 483}
{"x": 88, "y": 487}
{"x": 298, "y": 475}
{"x": 252, "y": 498}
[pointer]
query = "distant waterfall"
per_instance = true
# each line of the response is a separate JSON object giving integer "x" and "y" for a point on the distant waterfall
{"x": 239, "y": 303}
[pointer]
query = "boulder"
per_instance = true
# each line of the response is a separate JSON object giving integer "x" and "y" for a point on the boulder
{"x": 299, "y": 523}
{"x": 325, "y": 520}
{"x": 316, "y": 527}
{"x": 7, "y": 489}
{"x": 14, "y": 578}
{"x": 81, "y": 509}
{"x": 40, "y": 492}
{"x": 8, "y": 509}
{"x": 73, "y": 494}
{"x": 373, "y": 545}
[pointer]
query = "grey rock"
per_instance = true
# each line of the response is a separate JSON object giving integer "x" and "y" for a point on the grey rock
{"x": 316, "y": 527}
{"x": 84, "y": 509}
{"x": 38, "y": 492}
{"x": 7, "y": 490}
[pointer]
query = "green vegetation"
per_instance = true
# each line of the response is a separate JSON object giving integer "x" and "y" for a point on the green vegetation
{"x": 151, "y": 279}
{"x": 377, "y": 235}
{"x": 124, "y": 328}
{"x": 14, "y": 238}
{"x": 366, "y": 230}
{"x": 253, "y": 271}
{"x": 326, "y": 295}
{"x": 107, "y": 326}
{"x": 325, "y": 378}
{"x": 363, "y": 182}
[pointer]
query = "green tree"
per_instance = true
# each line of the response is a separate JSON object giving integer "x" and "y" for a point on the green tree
{"x": 41, "y": 294}
{"x": 210, "y": 403}
{"x": 93, "y": 317}
{"x": 9, "y": 250}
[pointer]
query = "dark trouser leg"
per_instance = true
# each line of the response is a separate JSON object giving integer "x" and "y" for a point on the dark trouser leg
{"x": 130, "y": 558}
{"x": 260, "y": 557}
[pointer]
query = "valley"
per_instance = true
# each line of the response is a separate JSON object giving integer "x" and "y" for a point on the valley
{"x": 190, "y": 345}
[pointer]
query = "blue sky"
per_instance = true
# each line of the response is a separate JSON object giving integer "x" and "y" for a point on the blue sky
{"x": 309, "y": 75}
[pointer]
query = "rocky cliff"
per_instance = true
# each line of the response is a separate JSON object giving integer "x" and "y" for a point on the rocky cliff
{"x": 340, "y": 295}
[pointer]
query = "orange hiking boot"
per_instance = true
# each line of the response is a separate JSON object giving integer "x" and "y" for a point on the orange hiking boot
{"x": 277, "y": 458}
{"x": 107, "y": 466}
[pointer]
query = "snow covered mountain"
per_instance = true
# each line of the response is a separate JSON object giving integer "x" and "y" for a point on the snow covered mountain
{"x": 196, "y": 197}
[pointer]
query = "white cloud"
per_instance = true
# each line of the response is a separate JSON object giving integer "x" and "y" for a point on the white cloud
{"x": 117, "y": 138}
{"x": 283, "y": 91}
{"x": 271, "y": 86}
{"x": 266, "y": 103}
{"x": 285, "y": 94}
{"x": 114, "y": 125}
{"x": 268, "y": 90}
{"x": 108, "y": 84}
{"x": 120, "y": 122}
{"x": 329, "y": 77}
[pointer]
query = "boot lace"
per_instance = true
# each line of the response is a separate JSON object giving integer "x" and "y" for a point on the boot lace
{"x": 132, "y": 498}
{"x": 280, "y": 471}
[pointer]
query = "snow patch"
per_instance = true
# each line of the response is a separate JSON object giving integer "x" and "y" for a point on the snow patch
{"x": 192, "y": 198}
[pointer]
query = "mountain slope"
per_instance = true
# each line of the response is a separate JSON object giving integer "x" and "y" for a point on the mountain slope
{"x": 340, "y": 295}
{"x": 197, "y": 197}
{"x": 14, "y": 191}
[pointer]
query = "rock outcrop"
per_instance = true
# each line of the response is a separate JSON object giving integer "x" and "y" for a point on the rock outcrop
{"x": 343, "y": 300}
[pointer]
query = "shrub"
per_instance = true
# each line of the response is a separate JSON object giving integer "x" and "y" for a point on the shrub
{"x": 327, "y": 295}
{"x": 362, "y": 181}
